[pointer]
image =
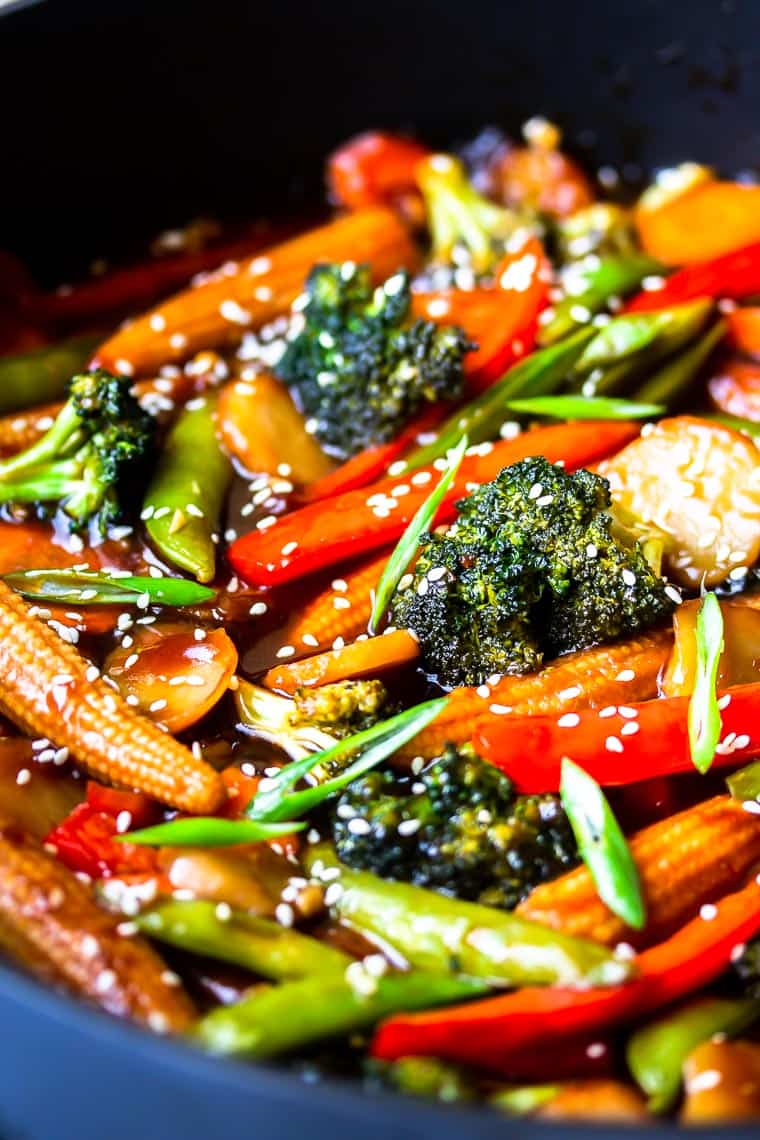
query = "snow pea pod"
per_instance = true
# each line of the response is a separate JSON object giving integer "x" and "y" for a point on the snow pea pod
{"x": 40, "y": 376}
{"x": 589, "y": 285}
{"x": 183, "y": 504}
{"x": 656, "y": 1052}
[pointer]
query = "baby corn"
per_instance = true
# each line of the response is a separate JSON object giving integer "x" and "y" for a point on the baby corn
{"x": 607, "y": 674}
{"x": 685, "y": 862}
{"x": 342, "y": 610}
{"x": 45, "y": 688}
{"x": 52, "y": 927}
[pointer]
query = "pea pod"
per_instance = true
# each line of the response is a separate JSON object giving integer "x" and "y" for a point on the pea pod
{"x": 40, "y": 376}
{"x": 275, "y": 1021}
{"x": 437, "y": 933}
{"x": 670, "y": 383}
{"x": 592, "y": 284}
{"x": 656, "y": 1053}
{"x": 537, "y": 375}
{"x": 258, "y": 944}
{"x": 183, "y": 503}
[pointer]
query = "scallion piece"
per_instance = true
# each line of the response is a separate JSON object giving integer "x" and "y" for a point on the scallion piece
{"x": 410, "y": 539}
{"x": 602, "y": 845}
{"x": 209, "y": 831}
{"x": 704, "y": 714}
{"x": 101, "y": 588}
{"x": 584, "y": 408}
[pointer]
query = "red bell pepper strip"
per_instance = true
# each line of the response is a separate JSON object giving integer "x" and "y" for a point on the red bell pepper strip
{"x": 735, "y": 274}
{"x": 323, "y": 534}
{"x": 616, "y": 745}
{"x": 373, "y": 169}
{"x": 137, "y": 286}
{"x": 113, "y": 801}
{"x": 496, "y": 1032}
{"x": 501, "y": 319}
{"x": 373, "y": 462}
{"x": 86, "y": 841}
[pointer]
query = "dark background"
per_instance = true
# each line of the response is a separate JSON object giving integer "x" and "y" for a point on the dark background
{"x": 117, "y": 118}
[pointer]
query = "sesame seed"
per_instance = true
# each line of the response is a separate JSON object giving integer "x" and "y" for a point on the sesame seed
{"x": 708, "y": 911}
{"x": 724, "y": 701}
{"x": 23, "y": 776}
{"x": 625, "y": 675}
{"x": 629, "y": 577}
{"x": 569, "y": 720}
{"x": 673, "y": 594}
{"x": 608, "y": 710}
{"x": 483, "y": 691}
{"x": 285, "y": 651}
{"x": 358, "y": 826}
{"x": 408, "y": 826}
{"x": 258, "y": 608}
{"x": 630, "y": 728}
{"x": 289, "y": 547}
{"x": 612, "y": 744}
{"x": 157, "y": 706}
{"x": 342, "y": 603}
{"x": 500, "y": 710}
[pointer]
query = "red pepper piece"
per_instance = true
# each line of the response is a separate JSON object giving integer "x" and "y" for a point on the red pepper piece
{"x": 495, "y": 1033}
{"x": 373, "y": 169}
{"x": 502, "y": 319}
{"x": 113, "y": 801}
{"x": 640, "y": 742}
{"x": 373, "y": 462}
{"x": 357, "y": 522}
{"x": 86, "y": 841}
{"x": 734, "y": 274}
{"x": 240, "y": 791}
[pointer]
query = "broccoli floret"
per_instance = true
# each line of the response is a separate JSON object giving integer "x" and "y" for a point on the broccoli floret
{"x": 530, "y": 569}
{"x": 459, "y": 829}
{"x": 360, "y": 368}
{"x": 96, "y": 447}
{"x": 460, "y": 218}
{"x": 313, "y": 719}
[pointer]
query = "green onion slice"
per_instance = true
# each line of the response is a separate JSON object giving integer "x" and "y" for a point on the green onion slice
{"x": 208, "y": 831}
{"x": 585, "y": 408}
{"x": 602, "y": 845}
{"x": 277, "y": 802}
{"x": 704, "y": 714}
{"x": 410, "y": 539}
{"x": 95, "y": 588}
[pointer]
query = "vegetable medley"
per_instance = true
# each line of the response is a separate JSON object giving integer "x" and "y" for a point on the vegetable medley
{"x": 380, "y": 629}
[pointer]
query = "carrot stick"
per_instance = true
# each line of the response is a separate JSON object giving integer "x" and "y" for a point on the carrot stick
{"x": 216, "y": 312}
{"x": 359, "y": 659}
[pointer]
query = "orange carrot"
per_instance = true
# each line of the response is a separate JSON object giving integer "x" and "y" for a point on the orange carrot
{"x": 359, "y": 659}
{"x": 744, "y": 329}
{"x": 710, "y": 220}
{"x": 263, "y": 287}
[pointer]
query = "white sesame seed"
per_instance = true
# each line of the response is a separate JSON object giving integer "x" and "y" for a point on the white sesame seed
{"x": 569, "y": 720}
{"x": 608, "y": 710}
{"x": 258, "y": 608}
{"x": 23, "y": 776}
{"x": 708, "y": 912}
{"x": 358, "y": 826}
{"x": 612, "y": 744}
{"x": 625, "y": 675}
{"x": 408, "y": 826}
{"x": 285, "y": 651}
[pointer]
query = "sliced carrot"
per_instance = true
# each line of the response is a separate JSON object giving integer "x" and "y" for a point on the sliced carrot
{"x": 342, "y": 610}
{"x": 699, "y": 483}
{"x": 359, "y": 659}
{"x": 260, "y": 425}
{"x": 162, "y": 667}
{"x": 744, "y": 329}
{"x": 735, "y": 389}
{"x": 711, "y": 219}
{"x": 263, "y": 287}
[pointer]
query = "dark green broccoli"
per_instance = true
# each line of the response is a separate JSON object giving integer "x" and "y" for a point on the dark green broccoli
{"x": 460, "y": 218}
{"x": 530, "y": 569}
{"x": 96, "y": 447}
{"x": 360, "y": 368}
{"x": 459, "y": 829}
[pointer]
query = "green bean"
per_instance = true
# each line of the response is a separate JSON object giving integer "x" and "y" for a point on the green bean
{"x": 539, "y": 374}
{"x": 433, "y": 932}
{"x": 183, "y": 503}
{"x": 258, "y": 944}
{"x": 656, "y": 1052}
{"x": 594, "y": 284}
{"x": 671, "y": 382}
{"x": 289, "y": 1016}
{"x": 40, "y": 376}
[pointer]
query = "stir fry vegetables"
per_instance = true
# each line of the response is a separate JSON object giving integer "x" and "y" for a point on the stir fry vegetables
{"x": 379, "y": 636}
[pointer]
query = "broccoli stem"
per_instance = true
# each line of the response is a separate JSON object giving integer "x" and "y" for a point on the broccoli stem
{"x": 433, "y": 932}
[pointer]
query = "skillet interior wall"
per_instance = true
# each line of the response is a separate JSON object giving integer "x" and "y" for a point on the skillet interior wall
{"x": 122, "y": 117}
